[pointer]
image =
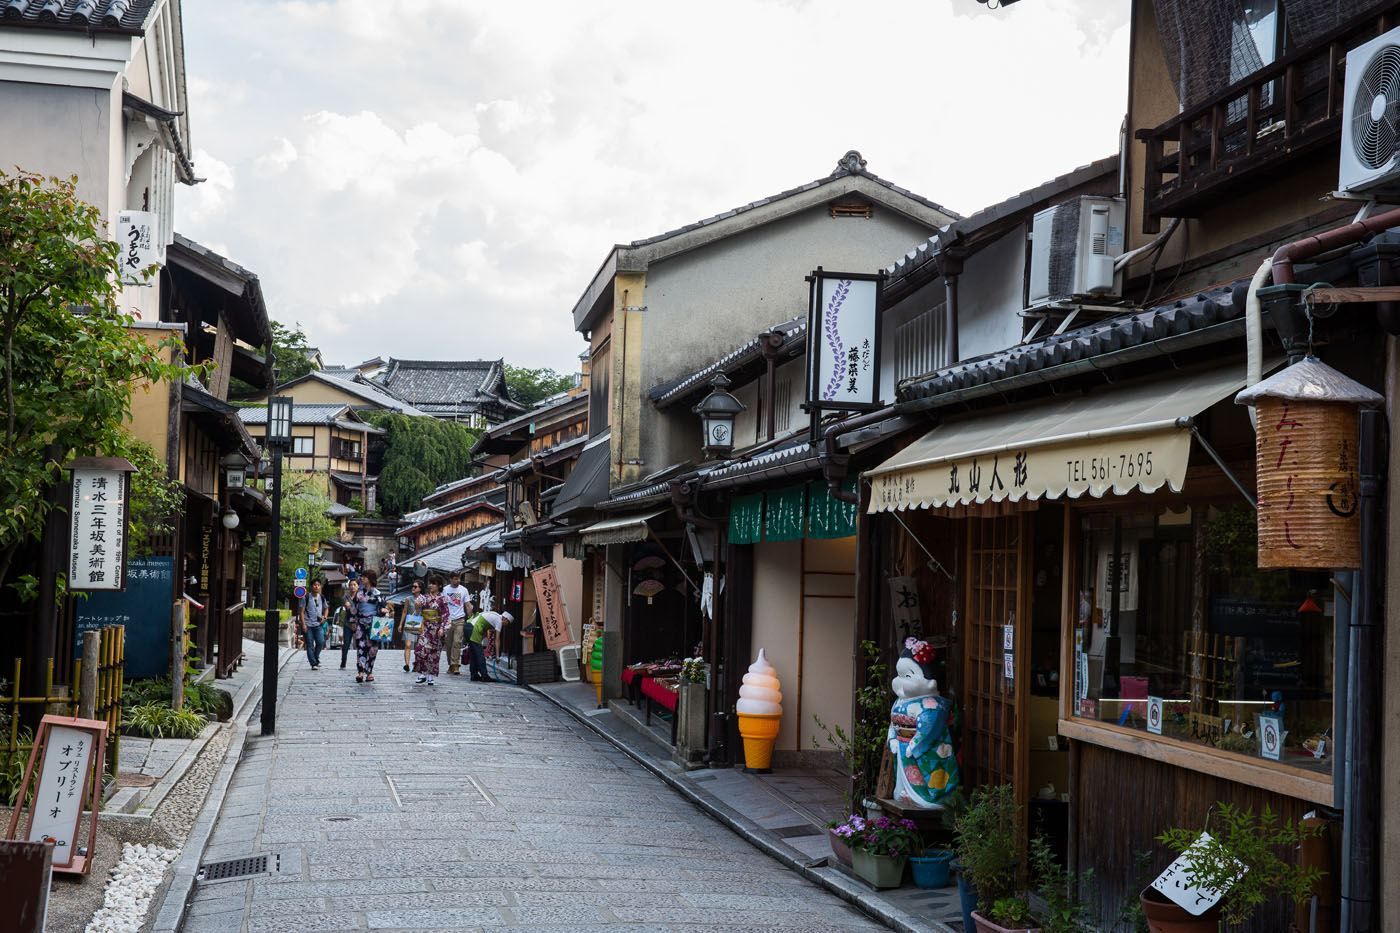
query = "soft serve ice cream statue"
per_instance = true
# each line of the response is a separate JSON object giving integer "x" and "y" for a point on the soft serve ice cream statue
{"x": 926, "y": 771}
{"x": 760, "y": 712}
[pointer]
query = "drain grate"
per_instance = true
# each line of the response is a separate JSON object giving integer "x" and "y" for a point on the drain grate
{"x": 232, "y": 868}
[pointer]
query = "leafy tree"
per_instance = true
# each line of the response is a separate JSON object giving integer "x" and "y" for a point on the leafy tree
{"x": 304, "y": 527}
{"x": 420, "y": 454}
{"x": 68, "y": 362}
{"x": 528, "y": 386}
{"x": 290, "y": 351}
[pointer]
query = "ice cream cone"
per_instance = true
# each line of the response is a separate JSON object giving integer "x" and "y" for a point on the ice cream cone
{"x": 760, "y": 734}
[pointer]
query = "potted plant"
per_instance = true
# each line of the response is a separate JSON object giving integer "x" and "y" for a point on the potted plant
{"x": 1060, "y": 910}
{"x": 841, "y": 832}
{"x": 931, "y": 870}
{"x": 691, "y": 711}
{"x": 1245, "y": 856}
{"x": 987, "y": 839}
{"x": 1006, "y": 915}
{"x": 881, "y": 851}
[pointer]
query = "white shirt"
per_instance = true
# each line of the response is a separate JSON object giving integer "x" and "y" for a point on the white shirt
{"x": 456, "y": 602}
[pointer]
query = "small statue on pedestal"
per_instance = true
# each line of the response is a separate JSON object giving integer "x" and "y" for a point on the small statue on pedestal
{"x": 925, "y": 769}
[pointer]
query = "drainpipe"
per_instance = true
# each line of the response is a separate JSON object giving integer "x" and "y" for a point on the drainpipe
{"x": 1387, "y": 312}
{"x": 1361, "y": 818}
{"x": 952, "y": 268}
{"x": 771, "y": 342}
{"x": 836, "y": 464}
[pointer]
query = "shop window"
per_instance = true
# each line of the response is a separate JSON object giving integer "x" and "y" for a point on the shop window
{"x": 1171, "y": 605}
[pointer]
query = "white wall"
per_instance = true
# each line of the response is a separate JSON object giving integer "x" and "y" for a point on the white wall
{"x": 807, "y": 587}
{"x": 991, "y": 290}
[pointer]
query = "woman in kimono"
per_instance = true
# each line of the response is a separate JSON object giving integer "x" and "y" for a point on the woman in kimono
{"x": 427, "y": 651}
{"x": 926, "y": 770}
{"x": 366, "y": 603}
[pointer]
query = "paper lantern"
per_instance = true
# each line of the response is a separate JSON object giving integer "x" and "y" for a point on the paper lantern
{"x": 1306, "y": 466}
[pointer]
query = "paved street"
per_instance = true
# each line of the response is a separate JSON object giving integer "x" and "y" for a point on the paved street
{"x": 464, "y": 806}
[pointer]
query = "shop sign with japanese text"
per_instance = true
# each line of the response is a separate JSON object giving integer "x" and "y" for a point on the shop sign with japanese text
{"x": 554, "y": 615}
{"x": 138, "y": 235}
{"x": 97, "y": 559}
{"x": 59, "y": 801}
{"x": 843, "y": 345}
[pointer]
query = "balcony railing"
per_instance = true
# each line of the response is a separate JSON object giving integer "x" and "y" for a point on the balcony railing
{"x": 1252, "y": 128}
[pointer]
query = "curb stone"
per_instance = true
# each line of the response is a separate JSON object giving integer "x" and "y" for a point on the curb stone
{"x": 171, "y": 913}
{"x": 847, "y": 889}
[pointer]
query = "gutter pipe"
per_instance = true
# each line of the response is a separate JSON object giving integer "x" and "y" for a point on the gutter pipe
{"x": 836, "y": 464}
{"x": 1254, "y": 332}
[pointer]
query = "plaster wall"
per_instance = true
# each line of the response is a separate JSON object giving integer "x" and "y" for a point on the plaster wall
{"x": 804, "y": 619}
{"x": 61, "y": 131}
{"x": 312, "y": 392}
{"x": 702, "y": 304}
{"x": 748, "y": 427}
{"x": 150, "y": 404}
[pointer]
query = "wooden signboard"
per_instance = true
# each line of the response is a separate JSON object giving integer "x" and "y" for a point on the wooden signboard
{"x": 25, "y": 876}
{"x": 554, "y": 615}
{"x": 69, "y": 753}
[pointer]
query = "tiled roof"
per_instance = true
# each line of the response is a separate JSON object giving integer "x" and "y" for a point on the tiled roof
{"x": 447, "y": 386}
{"x": 849, "y": 164}
{"x": 372, "y": 394}
{"x": 926, "y": 252}
{"x": 668, "y": 393}
{"x": 252, "y": 322}
{"x": 127, "y": 16}
{"x": 1216, "y": 314}
{"x": 301, "y": 414}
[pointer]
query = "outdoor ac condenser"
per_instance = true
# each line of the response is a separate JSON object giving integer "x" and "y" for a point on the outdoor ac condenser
{"x": 1370, "y": 157}
{"x": 1073, "y": 246}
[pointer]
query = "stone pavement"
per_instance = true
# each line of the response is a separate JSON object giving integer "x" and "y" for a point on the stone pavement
{"x": 784, "y": 812}
{"x": 398, "y": 807}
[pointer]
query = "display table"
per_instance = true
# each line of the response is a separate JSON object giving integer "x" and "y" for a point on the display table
{"x": 659, "y": 691}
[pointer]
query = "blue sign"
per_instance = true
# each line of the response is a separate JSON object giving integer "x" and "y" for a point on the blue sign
{"x": 144, "y": 608}
{"x": 301, "y": 573}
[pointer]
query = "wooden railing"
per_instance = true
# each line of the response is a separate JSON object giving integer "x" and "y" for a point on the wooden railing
{"x": 228, "y": 652}
{"x": 1251, "y": 128}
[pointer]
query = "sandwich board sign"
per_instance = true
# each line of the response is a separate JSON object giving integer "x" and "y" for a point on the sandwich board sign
{"x": 67, "y": 758}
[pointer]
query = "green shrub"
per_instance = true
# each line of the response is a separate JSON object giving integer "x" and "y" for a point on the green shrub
{"x": 12, "y": 768}
{"x": 153, "y": 721}
{"x": 258, "y": 617}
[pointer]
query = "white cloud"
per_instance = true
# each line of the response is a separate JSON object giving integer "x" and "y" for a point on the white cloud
{"x": 452, "y": 174}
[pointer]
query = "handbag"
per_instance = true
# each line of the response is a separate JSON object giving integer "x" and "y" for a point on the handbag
{"x": 413, "y": 623}
{"x": 382, "y": 629}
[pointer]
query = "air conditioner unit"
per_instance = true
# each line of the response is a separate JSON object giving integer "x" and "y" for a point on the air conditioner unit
{"x": 1073, "y": 246}
{"x": 1370, "y": 157}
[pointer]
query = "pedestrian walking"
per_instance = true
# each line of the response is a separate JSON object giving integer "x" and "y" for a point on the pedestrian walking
{"x": 411, "y": 623}
{"x": 365, "y": 606}
{"x": 311, "y": 617}
{"x": 427, "y": 654}
{"x": 458, "y": 599}
{"x": 482, "y": 623}
{"x": 345, "y": 619}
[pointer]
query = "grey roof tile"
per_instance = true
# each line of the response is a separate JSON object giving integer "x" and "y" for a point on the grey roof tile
{"x": 127, "y": 16}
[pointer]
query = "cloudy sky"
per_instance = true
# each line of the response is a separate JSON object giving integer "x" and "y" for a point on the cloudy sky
{"x": 441, "y": 178}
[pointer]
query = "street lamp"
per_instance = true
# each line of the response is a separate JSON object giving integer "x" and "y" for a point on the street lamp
{"x": 279, "y": 437}
{"x": 717, "y": 413}
{"x": 229, "y": 518}
{"x": 235, "y": 471}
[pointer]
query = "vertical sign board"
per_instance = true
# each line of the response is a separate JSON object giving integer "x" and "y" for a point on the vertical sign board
{"x": 1154, "y": 715}
{"x": 97, "y": 549}
{"x": 554, "y": 615}
{"x": 139, "y": 238}
{"x": 843, "y": 344}
{"x": 143, "y": 608}
{"x": 904, "y": 606}
{"x": 69, "y": 756}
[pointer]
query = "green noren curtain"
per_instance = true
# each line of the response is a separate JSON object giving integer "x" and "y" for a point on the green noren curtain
{"x": 787, "y": 511}
{"x": 828, "y": 516}
{"x": 746, "y": 519}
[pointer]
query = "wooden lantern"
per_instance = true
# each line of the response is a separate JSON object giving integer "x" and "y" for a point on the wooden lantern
{"x": 1306, "y": 466}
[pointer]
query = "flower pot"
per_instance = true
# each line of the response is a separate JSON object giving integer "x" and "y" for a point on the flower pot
{"x": 1163, "y": 916}
{"x": 840, "y": 848}
{"x": 879, "y": 871}
{"x": 931, "y": 868}
{"x": 983, "y": 925}
{"x": 967, "y": 896}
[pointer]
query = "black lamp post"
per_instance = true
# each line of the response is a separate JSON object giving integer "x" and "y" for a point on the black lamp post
{"x": 279, "y": 437}
{"x": 717, "y": 413}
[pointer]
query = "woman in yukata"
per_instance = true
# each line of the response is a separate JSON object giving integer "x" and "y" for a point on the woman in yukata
{"x": 926, "y": 770}
{"x": 427, "y": 652}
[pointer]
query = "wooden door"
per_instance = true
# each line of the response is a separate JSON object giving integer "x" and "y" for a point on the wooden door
{"x": 994, "y": 706}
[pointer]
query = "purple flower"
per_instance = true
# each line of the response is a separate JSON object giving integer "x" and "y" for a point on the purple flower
{"x": 906, "y": 824}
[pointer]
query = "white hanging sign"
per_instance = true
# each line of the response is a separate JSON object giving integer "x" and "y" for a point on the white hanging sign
{"x": 1177, "y": 884}
{"x": 843, "y": 341}
{"x": 139, "y": 238}
{"x": 97, "y": 549}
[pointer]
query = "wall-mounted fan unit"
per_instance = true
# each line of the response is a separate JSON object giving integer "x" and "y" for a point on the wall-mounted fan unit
{"x": 1370, "y": 156}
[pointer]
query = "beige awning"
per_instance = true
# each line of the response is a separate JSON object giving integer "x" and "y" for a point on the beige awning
{"x": 620, "y": 530}
{"x": 1113, "y": 439}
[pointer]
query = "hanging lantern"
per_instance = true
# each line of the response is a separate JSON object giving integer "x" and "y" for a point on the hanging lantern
{"x": 1306, "y": 466}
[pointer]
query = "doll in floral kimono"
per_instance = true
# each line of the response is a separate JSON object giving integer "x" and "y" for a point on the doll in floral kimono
{"x": 926, "y": 770}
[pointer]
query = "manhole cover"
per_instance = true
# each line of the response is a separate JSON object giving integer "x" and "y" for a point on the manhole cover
{"x": 244, "y": 867}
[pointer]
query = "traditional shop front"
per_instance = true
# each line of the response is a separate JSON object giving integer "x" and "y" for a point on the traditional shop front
{"x": 1088, "y": 566}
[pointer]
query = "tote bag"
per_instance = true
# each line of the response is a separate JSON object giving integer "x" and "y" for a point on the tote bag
{"x": 382, "y": 629}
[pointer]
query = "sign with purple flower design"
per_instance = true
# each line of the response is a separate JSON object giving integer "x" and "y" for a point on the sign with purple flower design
{"x": 843, "y": 345}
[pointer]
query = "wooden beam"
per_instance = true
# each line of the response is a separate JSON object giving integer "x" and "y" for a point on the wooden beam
{"x": 1343, "y": 296}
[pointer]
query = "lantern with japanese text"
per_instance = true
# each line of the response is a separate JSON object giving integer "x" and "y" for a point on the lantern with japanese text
{"x": 1306, "y": 464}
